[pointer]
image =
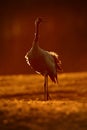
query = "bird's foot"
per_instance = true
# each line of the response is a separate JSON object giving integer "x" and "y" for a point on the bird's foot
{"x": 47, "y": 97}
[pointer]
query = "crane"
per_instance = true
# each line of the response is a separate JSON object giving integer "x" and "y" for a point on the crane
{"x": 43, "y": 62}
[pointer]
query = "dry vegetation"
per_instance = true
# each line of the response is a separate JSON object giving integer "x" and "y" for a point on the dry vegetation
{"x": 22, "y": 106}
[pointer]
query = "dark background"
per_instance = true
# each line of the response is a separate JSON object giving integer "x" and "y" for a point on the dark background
{"x": 63, "y": 31}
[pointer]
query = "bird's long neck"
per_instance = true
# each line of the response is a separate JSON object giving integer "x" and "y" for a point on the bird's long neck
{"x": 35, "y": 41}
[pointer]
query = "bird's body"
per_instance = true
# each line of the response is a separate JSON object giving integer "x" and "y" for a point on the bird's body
{"x": 43, "y": 62}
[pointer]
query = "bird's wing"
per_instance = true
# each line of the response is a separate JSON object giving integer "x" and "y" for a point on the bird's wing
{"x": 27, "y": 60}
{"x": 51, "y": 64}
{"x": 57, "y": 61}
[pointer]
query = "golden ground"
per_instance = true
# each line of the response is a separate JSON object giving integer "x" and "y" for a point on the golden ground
{"x": 22, "y": 106}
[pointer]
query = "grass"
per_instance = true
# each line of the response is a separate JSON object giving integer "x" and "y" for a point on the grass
{"x": 22, "y": 106}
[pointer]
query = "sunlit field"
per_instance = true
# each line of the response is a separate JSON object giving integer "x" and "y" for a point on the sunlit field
{"x": 22, "y": 104}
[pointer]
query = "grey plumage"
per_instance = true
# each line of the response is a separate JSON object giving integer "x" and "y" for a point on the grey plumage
{"x": 43, "y": 62}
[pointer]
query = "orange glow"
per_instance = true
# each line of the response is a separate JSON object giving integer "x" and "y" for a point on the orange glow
{"x": 16, "y": 28}
{"x": 64, "y": 31}
{"x": 50, "y": 26}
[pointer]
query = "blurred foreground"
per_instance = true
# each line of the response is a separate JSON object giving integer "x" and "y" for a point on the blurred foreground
{"x": 22, "y": 106}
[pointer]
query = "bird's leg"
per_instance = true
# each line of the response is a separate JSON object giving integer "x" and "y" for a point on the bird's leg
{"x": 46, "y": 94}
{"x": 45, "y": 98}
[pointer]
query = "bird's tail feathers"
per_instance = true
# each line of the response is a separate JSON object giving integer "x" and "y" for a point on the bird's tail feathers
{"x": 53, "y": 78}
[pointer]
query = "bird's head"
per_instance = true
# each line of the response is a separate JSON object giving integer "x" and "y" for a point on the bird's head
{"x": 38, "y": 20}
